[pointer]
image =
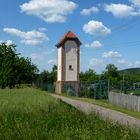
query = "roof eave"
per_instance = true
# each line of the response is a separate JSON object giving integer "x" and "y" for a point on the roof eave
{"x": 61, "y": 43}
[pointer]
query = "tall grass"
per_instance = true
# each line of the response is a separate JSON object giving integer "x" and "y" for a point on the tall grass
{"x": 30, "y": 114}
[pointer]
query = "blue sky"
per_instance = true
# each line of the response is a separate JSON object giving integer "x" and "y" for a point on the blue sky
{"x": 109, "y": 30}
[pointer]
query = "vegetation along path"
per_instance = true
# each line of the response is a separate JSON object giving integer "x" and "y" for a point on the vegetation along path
{"x": 101, "y": 111}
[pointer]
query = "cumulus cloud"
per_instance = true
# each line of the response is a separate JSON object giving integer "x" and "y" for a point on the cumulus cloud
{"x": 86, "y": 12}
{"x": 49, "y": 10}
{"x": 33, "y": 37}
{"x": 121, "y": 10}
{"x": 136, "y": 2}
{"x": 36, "y": 56}
{"x": 95, "y": 62}
{"x": 96, "y": 28}
{"x": 8, "y": 42}
{"x": 124, "y": 62}
{"x": 137, "y": 63}
{"x": 48, "y": 51}
{"x": 52, "y": 61}
{"x": 42, "y": 29}
{"x": 42, "y": 58}
{"x": 41, "y": 55}
{"x": 129, "y": 63}
{"x": 111, "y": 54}
{"x": 94, "y": 44}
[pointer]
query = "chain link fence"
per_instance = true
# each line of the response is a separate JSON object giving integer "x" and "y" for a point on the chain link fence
{"x": 96, "y": 89}
{"x": 121, "y": 86}
{"x": 50, "y": 87}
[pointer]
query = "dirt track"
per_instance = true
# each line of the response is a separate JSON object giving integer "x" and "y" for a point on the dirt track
{"x": 104, "y": 112}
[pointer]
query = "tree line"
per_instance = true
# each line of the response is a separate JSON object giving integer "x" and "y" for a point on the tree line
{"x": 15, "y": 69}
{"x": 111, "y": 73}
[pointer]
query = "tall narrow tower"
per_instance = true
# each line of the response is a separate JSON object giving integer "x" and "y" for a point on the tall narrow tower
{"x": 68, "y": 62}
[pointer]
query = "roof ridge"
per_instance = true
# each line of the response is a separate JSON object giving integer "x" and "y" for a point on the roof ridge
{"x": 70, "y": 35}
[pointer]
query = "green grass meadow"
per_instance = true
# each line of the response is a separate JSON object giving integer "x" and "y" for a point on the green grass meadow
{"x": 31, "y": 114}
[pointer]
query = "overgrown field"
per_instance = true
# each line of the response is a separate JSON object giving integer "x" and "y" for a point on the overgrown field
{"x": 32, "y": 114}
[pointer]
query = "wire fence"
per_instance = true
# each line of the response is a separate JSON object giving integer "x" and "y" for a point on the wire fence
{"x": 120, "y": 86}
{"x": 125, "y": 87}
{"x": 96, "y": 89}
{"x": 50, "y": 87}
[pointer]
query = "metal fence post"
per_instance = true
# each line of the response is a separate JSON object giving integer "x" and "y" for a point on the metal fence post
{"x": 138, "y": 103}
{"x": 108, "y": 86}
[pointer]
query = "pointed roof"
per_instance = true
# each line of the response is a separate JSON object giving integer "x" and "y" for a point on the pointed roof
{"x": 68, "y": 35}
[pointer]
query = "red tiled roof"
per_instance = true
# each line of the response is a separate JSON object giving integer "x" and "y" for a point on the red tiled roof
{"x": 68, "y": 35}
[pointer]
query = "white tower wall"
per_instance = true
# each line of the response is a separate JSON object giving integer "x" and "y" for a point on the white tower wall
{"x": 59, "y": 64}
{"x": 71, "y": 60}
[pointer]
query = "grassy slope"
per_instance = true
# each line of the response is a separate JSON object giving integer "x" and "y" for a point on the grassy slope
{"x": 32, "y": 114}
{"x": 130, "y": 70}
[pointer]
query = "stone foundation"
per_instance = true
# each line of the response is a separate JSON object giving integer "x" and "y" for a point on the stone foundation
{"x": 71, "y": 87}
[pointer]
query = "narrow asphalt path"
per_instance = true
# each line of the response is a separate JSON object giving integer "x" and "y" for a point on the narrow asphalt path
{"x": 115, "y": 116}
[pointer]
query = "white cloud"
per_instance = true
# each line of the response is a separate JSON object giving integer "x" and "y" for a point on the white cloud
{"x": 137, "y": 63}
{"x": 111, "y": 54}
{"x": 42, "y": 60}
{"x": 41, "y": 55}
{"x": 36, "y": 57}
{"x": 129, "y": 63}
{"x": 8, "y": 42}
{"x": 33, "y": 37}
{"x": 121, "y": 10}
{"x": 95, "y": 62}
{"x": 86, "y": 12}
{"x": 52, "y": 61}
{"x": 96, "y": 28}
{"x": 49, "y": 10}
{"x": 48, "y": 51}
{"x": 136, "y": 2}
{"x": 42, "y": 29}
{"x": 94, "y": 44}
{"x": 124, "y": 62}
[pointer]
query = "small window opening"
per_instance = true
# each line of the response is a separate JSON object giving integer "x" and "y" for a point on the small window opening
{"x": 70, "y": 67}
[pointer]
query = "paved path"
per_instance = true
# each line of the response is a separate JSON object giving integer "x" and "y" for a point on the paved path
{"x": 101, "y": 111}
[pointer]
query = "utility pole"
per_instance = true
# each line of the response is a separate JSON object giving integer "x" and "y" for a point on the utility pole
{"x": 108, "y": 86}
